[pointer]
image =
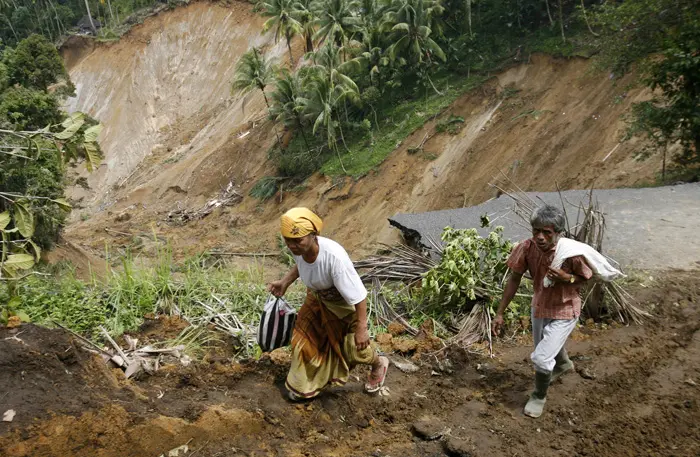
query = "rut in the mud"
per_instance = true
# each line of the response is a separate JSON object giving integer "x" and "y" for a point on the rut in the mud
{"x": 643, "y": 400}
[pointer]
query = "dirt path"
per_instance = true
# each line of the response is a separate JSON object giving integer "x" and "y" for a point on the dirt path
{"x": 644, "y": 400}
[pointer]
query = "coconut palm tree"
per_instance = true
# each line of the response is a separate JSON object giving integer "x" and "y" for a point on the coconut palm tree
{"x": 409, "y": 26}
{"x": 305, "y": 15}
{"x": 368, "y": 55}
{"x": 327, "y": 63}
{"x": 336, "y": 21}
{"x": 329, "y": 88}
{"x": 255, "y": 71}
{"x": 282, "y": 14}
{"x": 321, "y": 109}
{"x": 288, "y": 102}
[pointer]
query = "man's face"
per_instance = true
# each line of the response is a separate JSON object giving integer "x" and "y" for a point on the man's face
{"x": 544, "y": 237}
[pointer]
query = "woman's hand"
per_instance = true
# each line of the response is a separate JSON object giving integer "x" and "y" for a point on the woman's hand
{"x": 557, "y": 274}
{"x": 497, "y": 325}
{"x": 278, "y": 288}
{"x": 361, "y": 338}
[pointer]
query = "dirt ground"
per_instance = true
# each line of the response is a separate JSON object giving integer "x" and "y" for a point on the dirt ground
{"x": 643, "y": 398}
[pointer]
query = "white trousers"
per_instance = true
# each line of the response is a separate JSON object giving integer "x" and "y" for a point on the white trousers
{"x": 550, "y": 336}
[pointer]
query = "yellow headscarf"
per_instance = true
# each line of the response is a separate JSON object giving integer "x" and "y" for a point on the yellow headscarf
{"x": 299, "y": 222}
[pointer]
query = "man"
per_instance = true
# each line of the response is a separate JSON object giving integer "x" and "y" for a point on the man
{"x": 555, "y": 309}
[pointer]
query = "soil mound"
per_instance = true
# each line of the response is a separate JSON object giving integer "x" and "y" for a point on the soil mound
{"x": 43, "y": 372}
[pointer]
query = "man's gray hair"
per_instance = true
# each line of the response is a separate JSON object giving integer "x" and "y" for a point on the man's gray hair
{"x": 548, "y": 215}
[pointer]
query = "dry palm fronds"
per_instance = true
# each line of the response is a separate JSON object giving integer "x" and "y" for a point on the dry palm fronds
{"x": 401, "y": 264}
{"x": 384, "y": 313}
{"x": 219, "y": 315}
{"x": 476, "y": 327}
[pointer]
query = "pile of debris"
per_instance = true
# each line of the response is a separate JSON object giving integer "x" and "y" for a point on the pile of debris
{"x": 227, "y": 197}
{"x": 133, "y": 360}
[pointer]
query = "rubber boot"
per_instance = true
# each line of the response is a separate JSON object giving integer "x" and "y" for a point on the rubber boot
{"x": 563, "y": 365}
{"x": 535, "y": 405}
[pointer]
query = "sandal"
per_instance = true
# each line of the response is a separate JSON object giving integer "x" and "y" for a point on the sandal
{"x": 375, "y": 385}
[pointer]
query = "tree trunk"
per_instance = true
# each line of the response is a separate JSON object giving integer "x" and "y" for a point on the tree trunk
{"x": 289, "y": 48}
{"x": 303, "y": 134}
{"x": 585, "y": 17}
{"x": 59, "y": 24}
{"x": 561, "y": 21}
{"x": 92, "y": 24}
{"x": 663, "y": 166}
{"x": 309, "y": 43}
{"x": 267, "y": 103}
{"x": 549, "y": 13}
{"x": 11, "y": 28}
{"x": 111, "y": 14}
{"x": 469, "y": 16}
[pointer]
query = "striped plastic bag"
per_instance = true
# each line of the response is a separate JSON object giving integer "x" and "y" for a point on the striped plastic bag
{"x": 276, "y": 324}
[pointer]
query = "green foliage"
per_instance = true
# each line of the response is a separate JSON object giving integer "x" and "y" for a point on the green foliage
{"x": 265, "y": 188}
{"x": 471, "y": 267}
{"x": 452, "y": 125}
{"x": 283, "y": 18}
{"x": 381, "y": 68}
{"x": 36, "y": 139}
{"x": 397, "y": 121}
{"x": 56, "y": 19}
{"x": 29, "y": 109}
{"x": 35, "y": 64}
{"x": 635, "y": 30}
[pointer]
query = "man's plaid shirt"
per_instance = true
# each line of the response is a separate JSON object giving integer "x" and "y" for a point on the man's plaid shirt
{"x": 561, "y": 300}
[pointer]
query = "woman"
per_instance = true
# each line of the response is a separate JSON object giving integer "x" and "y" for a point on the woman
{"x": 330, "y": 335}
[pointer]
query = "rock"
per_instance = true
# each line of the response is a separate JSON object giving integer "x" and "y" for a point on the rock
{"x": 396, "y": 329}
{"x": 429, "y": 429}
{"x": 281, "y": 356}
{"x": 383, "y": 339}
{"x": 123, "y": 217}
{"x": 14, "y": 322}
{"x": 404, "y": 365}
{"x": 585, "y": 373}
{"x": 427, "y": 329}
{"x": 457, "y": 447}
{"x": 405, "y": 345}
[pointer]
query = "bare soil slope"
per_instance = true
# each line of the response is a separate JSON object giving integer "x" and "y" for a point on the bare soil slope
{"x": 172, "y": 140}
{"x": 635, "y": 393}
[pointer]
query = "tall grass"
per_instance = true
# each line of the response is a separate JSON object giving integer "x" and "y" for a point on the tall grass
{"x": 121, "y": 300}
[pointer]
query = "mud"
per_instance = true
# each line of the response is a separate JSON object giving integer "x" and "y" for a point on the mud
{"x": 643, "y": 399}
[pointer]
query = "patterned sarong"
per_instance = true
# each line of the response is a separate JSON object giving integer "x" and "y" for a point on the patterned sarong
{"x": 323, "y": 344}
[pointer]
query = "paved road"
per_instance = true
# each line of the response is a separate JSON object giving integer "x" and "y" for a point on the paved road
{"x": 649, "y": 228}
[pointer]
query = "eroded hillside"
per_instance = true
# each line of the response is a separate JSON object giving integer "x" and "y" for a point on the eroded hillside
{"x": 175, "y": 137}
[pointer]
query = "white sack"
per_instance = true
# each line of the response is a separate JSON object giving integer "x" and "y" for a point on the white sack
{"x": 602, "y": 268}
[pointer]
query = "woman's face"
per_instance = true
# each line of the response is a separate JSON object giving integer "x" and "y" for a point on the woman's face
{"x": 300, "y": 246}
